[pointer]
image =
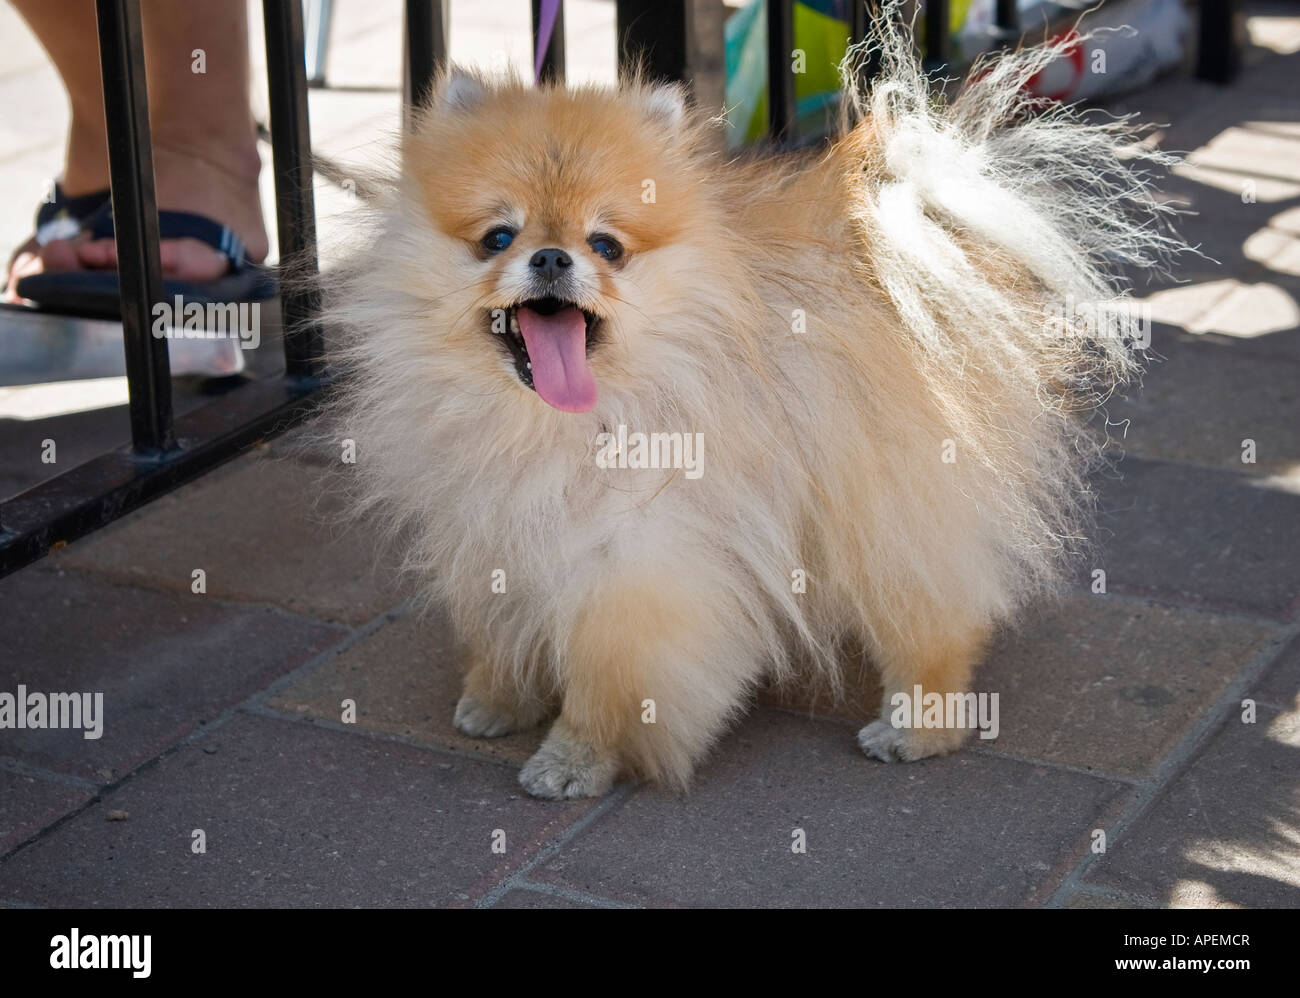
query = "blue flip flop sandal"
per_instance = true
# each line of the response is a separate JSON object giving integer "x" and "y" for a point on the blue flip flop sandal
{"x": 96, "y": 293}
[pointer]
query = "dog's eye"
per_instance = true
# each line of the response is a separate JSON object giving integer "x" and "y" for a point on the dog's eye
{"x": 497, "y": 240}
{"x": 605, "y": 246}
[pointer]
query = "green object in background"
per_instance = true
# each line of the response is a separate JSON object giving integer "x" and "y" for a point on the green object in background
{"x": 746, "y": 62}
{"x": 823, "y": 39}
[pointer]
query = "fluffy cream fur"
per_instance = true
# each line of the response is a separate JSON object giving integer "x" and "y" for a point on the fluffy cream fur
{"x": 925, "y": 251}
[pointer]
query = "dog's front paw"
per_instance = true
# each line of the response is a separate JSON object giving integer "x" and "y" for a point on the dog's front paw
{"x": 477, "y": 719}
{"x": 566, "y": 766}
{"x": 881, "y": 740}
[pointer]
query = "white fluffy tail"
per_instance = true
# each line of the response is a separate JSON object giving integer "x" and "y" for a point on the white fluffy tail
{"x": 1003, "y": 174}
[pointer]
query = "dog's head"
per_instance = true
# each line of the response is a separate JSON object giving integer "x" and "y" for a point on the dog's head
{"x": 562, "y": 223}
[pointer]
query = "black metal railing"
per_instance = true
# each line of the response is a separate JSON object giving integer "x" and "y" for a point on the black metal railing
{"x": 135, "y": 217}
{"x": 164, "y": 451}
{"x": 426, "y": 48}
{"x": 663, "y": 39}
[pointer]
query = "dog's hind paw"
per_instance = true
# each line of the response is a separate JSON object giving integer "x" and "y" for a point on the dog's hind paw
{"x": 881, "y": 740}
{"x": 484, "y": 720}
{"x": 565, "y": 766}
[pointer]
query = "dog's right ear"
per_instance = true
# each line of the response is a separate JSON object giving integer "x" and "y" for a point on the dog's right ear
{"x": 460, "y": 91}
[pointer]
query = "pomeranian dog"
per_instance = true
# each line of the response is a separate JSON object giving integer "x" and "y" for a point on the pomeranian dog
{"x": 658, "y": 426}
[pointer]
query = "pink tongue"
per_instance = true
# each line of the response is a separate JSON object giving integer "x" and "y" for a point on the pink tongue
{"x": 557, "y": 349}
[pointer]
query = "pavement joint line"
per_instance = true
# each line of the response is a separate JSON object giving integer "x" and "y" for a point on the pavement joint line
{"x": 202, "y": 732}
{"x": 96, "y": 798}
{"x": 612, "y": 801}
{"x": 992, "y": 751}
{"x": 355, "y": 636}
{"x": 569, "y": 894}
{"x": 48, "y": 775}
{"x": 329, "y": 724}
{"x": 122, "y": 580}
{"x": 109, "y": 788}
{"x": 1180, "y": 757}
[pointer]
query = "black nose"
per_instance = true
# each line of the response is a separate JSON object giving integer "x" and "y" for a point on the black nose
{"x": 550, "y": 263}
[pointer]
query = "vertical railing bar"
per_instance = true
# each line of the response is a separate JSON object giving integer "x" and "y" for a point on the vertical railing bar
{"x": 295, "y": 208}
{"x": 554, "y": 58}
{"x": 858, "y": 20}
{"x": 780, "y": 73}
{"x": 1217, "y": 57}
{"x": 863, "y": 14}
{"x": 426, "y": 48}
{"x": 936, "y": 34}
{"x": 1007, "y": 17}
{"x": 652, "y": 38}
{"x": 135, "y": 222}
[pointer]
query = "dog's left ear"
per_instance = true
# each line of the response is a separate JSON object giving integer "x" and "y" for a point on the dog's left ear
{"x": 666, "y": 104}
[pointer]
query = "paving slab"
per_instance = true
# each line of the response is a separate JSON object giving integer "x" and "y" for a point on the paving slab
{"x": 1223, "y": 231}
{"x": 1095, "y": 682}
{"x": 964, "y": 830}
{"x": 261, "y": 529}
{"x": 406, "y": 680}
{"x": 1275, "y": 248}
{"x": 1204, "y": 398}
{"x": 1111, "y": 684}
{"x": 28, "y": 804}
{"x": 77, "y": 436}
{"x": 1228, "y": 319}
{"x": 1239, "y": 176}
{"x": 1223, "y": 835}
{"x": 164, "y": 663}
{"x": 1258, "y": 315}
{"x": 1270, "y": 78}
{"x": 1254, "y": 151}
{"x": 1193, "y": 534}
{"x": 293, "y": 816}
{"x": 1272, "y": 25}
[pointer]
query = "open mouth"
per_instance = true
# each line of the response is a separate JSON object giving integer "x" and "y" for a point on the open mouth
{"x": 549, "y": 340}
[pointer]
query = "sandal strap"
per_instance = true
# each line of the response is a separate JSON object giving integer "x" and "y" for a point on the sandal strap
{"x": 180, "y": 225}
